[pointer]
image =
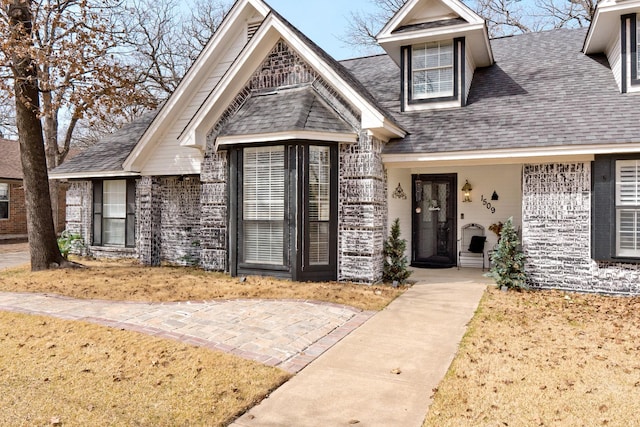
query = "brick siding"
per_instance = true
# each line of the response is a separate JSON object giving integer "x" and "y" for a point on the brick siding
{"x": 556, "y": 233}
{"x": 16, "y": 224}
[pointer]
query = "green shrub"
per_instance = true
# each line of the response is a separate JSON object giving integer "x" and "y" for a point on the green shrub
{"x": 395, "y": 262}
{"x": 69, "y": 241}
{"x": 507, "y": 261}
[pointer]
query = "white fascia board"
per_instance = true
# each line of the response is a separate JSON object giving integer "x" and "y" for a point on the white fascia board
{"x": 606, "y": 14}
{"x": 182, "y": 94}
{"x": 395, "y": 21}
{"x": 287, "y": 136}
{"x": 437, "y": 33}
{"x": 517, "y": 153}
{"x": 89, "y": 175}
{"x": 464, "y": 11}
{"x": 371, "y": 116}
{"x": 194, "y": 134}
{"x": 458, "y": 8}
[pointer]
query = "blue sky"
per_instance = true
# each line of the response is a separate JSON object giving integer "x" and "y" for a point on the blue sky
{"x": 323, "y": 21}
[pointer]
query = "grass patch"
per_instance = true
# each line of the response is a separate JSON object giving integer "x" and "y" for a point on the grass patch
{"x": 545, "y": 358}
{"x": 129, "y": 281}
{"x": 58, "y": 372}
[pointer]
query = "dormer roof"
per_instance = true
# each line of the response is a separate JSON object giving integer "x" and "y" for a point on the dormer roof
{"x": 421, "y": 21}
{"x": 606, "y": 23}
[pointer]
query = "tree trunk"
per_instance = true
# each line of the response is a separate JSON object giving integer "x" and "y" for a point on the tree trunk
{"x": 42, "y": 238}
{"x": 51, "y": 150}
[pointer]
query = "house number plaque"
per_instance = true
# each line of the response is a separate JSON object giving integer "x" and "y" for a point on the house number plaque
{"x": 487, "y": 204}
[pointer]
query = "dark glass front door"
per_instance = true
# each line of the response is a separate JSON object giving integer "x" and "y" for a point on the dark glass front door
{"x": 434, "y": 221}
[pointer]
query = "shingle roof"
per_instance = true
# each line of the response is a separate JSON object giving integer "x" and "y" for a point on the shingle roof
{"x": 541, "y": 92}
{"x": 10, "y": 163}
{"x": 342, "y": 71}
{"x": 108, "y": 154}
{"x": 298, "y": 109}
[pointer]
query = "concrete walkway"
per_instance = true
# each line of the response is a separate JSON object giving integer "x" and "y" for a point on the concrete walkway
{"x": 12, "y": 258}
{"x": 362, "y": 370}
{"x": 384, "y": 372}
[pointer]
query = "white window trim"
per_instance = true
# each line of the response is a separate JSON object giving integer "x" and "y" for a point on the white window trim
{"x": 414, "y": 70}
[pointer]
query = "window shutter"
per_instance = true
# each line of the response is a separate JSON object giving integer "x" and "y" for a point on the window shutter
{"x": 603, "y": 209}
{"x": 97, "y": 212}
{"x": 131, "y": 214}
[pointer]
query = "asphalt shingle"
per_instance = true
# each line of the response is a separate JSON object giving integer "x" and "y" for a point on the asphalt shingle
{"x": 108, "y": 154}
{"x": 299, "y": 109}
{"x": 541, "y": 92}
{"x": 10, "y": 163}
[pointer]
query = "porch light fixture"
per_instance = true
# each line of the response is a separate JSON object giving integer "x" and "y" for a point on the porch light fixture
{"x": 466, "y": 189}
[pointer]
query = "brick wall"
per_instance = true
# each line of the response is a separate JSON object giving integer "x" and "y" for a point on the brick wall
{"x": 78, "y": 212}
{"x": 16, "y": 225}
{"x": 214, "y": 222}
{"x": 556, "y": 233}
{"x": 180, "y": 220}
{"x": 362, "y": 211}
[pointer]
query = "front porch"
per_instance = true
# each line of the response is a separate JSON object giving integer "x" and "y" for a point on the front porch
{"x": 428, "y": 276}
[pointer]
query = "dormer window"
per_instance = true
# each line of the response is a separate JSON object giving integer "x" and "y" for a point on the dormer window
{"x": 433, "y": 73}
{"x": 432, "y": 70}
{"x": 438, "y": 44}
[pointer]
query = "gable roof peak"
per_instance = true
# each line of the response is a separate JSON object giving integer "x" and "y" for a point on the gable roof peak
{"x": 429, "y": 20}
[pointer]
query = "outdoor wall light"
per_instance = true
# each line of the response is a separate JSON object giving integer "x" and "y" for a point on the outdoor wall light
{"x": 466, "y": 189}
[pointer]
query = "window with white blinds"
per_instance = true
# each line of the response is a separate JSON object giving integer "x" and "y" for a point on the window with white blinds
{"x": 319, "y": 204}
{"x": 628, "y": 208}
{"x": 114, "y": 212}
{"x": 432, "y": 69}
{"x": 263, "y": 205}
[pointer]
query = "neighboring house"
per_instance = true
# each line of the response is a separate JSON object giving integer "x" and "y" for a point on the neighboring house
{"x": 13, "y": 210}
{"x": 273, "y": 158}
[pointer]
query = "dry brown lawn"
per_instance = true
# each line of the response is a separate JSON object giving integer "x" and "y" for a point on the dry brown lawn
{"x": 58, "y": 372}
{"x": 129, "y": 281}
{"x": 545, "y": 359}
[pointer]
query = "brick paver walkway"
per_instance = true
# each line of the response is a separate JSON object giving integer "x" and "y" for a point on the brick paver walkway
{"x": 284, "y": 333}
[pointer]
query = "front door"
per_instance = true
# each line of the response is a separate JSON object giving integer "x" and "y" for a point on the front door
{"x": 434, "y": 220}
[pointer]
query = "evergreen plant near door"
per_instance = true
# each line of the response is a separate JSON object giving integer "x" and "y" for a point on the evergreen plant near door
{"x": 507, "y": 261}
{"x": 395, "y": 262}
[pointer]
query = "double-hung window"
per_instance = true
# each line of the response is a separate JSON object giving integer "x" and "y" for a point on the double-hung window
{"x": 114, "y": 212}
{"x": 627, "y": 202}
{"x": 4, "y": 200}
{"x": 432, "y": 71}
{"x": 263, "y": 205}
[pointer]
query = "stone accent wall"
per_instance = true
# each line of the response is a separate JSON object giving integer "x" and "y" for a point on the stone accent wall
{"x": 362, "y": 211}
{"x": 556, "y": 233}
{"x": 148, "y": 220}
{"x": 180, "y": 219}
{"x": 78, "y": 213}
{"x": 213, "y": 220}
{"x": 283, "y": 67}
